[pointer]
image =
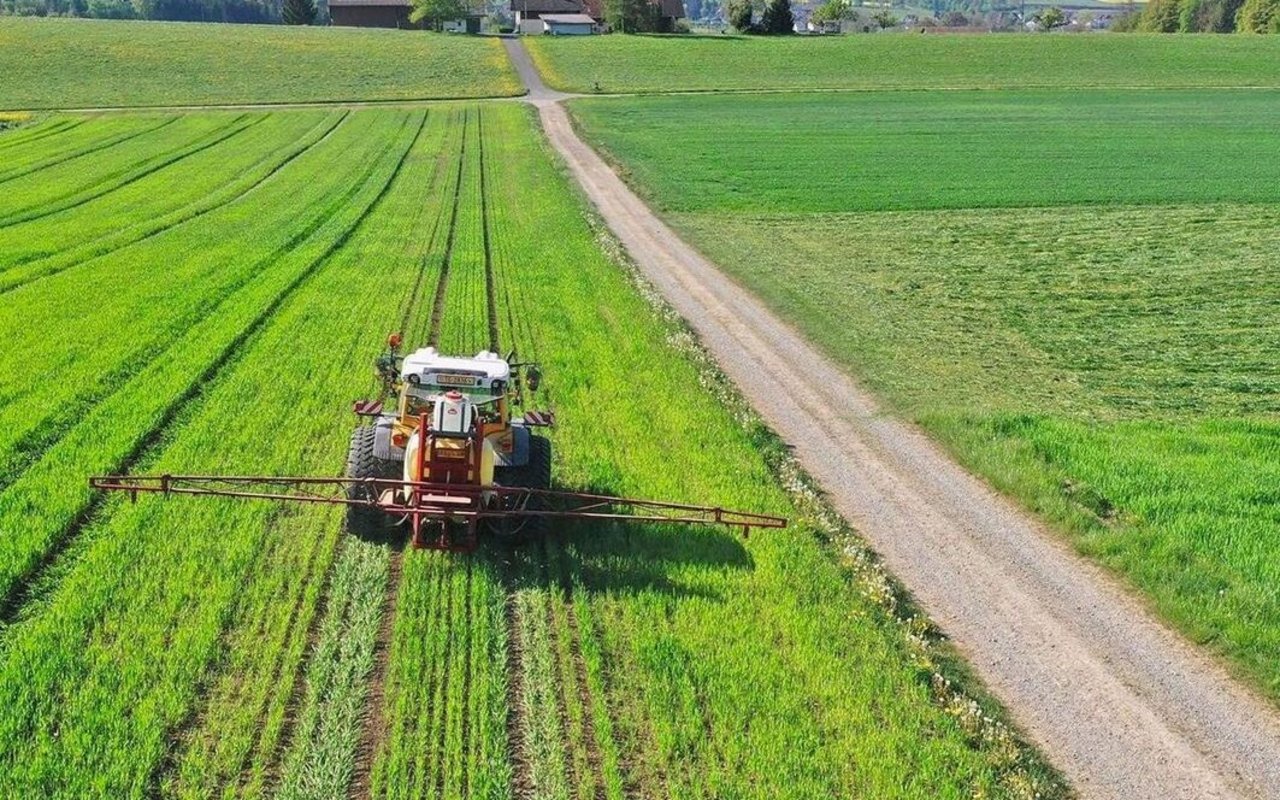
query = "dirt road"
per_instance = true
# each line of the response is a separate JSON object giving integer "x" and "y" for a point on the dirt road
{"x": 1125, "y": 707}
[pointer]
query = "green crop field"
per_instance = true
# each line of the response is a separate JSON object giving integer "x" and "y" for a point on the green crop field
{"x": 205, "y": 292}
{"x": 1075, "y": 291}
{"x": 920, "y": 150}
{"x": 66, "y": 63}
{"x": 629, "y": 64}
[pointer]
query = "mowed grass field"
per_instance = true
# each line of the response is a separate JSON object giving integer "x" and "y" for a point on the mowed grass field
{"x": 1075, "y": 291}
{"x": 71, "y": 63}
{"x": 626, "y": 64}
{"x": 934, "y": 150}
{"x": 205, "y": 293}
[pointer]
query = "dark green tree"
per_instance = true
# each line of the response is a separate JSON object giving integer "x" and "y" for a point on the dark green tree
{"x": 1161, "y": 16}
{"x": 1259, "y": 16}
{"x": 777, "y": 18}
{"x": 298, "y": 12}
{"x": 740, "y": 13}
{"x": 885, "y": 18}
{"x": 631, "y": 16}
{"x": 1220, "y": 15}
{"x": 437, "y": 12}
{"x": 833, "y": 11}
{"x": 1050, "y": 18}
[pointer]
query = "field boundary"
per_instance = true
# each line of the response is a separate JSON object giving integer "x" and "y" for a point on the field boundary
{"x": 436, "y": 101}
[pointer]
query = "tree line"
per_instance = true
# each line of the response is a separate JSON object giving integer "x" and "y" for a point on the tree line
{"x": 1206, "y": 16}
{"x": 259, "y": 11}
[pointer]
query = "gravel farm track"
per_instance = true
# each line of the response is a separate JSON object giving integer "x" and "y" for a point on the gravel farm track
{"x": 1124, "y": 706}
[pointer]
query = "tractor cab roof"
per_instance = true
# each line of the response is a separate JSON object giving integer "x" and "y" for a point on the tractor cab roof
{"x": 427, "y": 367}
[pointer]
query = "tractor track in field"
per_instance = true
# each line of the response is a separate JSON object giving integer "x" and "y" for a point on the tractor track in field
{"x": 28, "y": 588}
{"x": 415, "y": 296}
{"x": 446, "y": 261}
{"x": 107, "y": 185}
{"x": 555, "y": 597}
{"x": 490, "y": 290}
{"x": 469, "y": 656}
{"x": 373, "y": 734}
{"x": 274, "y": 772}
{"x": 110, "y": 141}
{"x": 595, "y": 759}
{"x": 442, "y": 740}
{"x": 55, "y": 128}
{"x": 90, "y": 254}
{"x": 375, "y": 730}
{"x": 522, "y": 787}
{"x": 1124, "y": 706}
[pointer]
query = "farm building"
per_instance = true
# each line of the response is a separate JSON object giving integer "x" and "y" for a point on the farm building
{"x": 390, "y": 14}
{"x": 531, "y": 13}
{"x": 569, "y": 24}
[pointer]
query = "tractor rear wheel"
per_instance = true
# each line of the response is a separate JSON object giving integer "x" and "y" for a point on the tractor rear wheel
{"x": 364, "y": 521}
{"x": 536, "y": 474}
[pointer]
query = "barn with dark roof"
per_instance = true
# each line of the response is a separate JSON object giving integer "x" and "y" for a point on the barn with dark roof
{"x": 528, "y": 10}
{"x": 389, "y": 14}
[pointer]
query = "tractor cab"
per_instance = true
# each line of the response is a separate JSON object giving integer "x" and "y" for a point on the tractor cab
{"x": 453, "y": 417}
{"x": 479, "y": 384}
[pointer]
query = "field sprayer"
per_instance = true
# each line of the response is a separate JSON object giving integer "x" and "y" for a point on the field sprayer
{"x": 450, "y": 459}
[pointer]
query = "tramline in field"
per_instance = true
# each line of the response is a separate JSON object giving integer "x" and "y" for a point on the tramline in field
{"x": 465, "y": 462}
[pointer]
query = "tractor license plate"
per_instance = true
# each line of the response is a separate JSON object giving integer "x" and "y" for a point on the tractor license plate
{"x": 454, "y": 455}
{"x": 455, "y": 380}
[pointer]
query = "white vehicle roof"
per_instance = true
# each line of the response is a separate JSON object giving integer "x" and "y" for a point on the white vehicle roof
{"x": 427, "y": 366}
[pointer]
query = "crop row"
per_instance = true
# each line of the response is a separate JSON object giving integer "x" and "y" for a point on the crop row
{"x": 458, "y": 317}
{"x": 159, "y": 201}
{"x": 194, "y": 314}
{"x": 80, "y": 180}
{"x": 160, "y": 275}
{"x": 105, "y": 670}
{"x": 38, "y": 150}
{"x": 14, "y": 141}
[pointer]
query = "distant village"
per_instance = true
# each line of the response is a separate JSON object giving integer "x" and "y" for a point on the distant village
{"x": 587, "y": 17}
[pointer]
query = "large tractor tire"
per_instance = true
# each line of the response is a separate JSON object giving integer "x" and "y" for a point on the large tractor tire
{"x": 362, "y": 521}
{"x": 534, "y": 475}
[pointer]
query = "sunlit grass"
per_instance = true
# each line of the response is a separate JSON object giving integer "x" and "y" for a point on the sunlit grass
{"x": 903, "y": 61}
{"x": 54, "y": 63}
{"x": 911, "y": 150}
{"x": 1111, "y": 368}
